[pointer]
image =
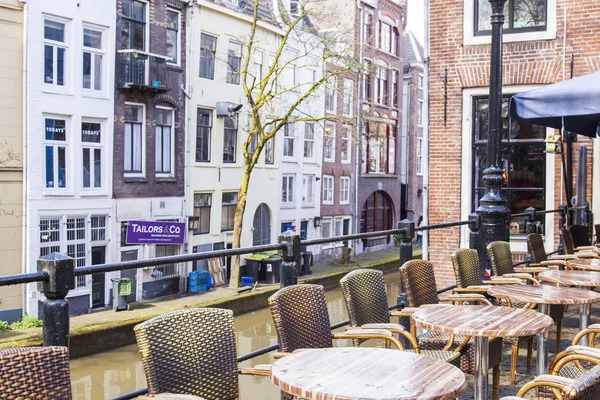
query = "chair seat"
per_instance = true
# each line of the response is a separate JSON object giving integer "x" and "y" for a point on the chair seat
{"x": 452, "y": 357}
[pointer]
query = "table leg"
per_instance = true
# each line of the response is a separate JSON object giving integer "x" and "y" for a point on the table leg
{"x": 481, "y": 368}
{"x": 584, "y": 321}
{"x": 542, "y": 345}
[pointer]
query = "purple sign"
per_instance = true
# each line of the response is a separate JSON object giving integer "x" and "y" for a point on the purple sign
{"x": 154, "y": 232}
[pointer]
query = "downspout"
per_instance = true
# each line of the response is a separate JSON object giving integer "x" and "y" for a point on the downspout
{"x": 24, "y": 241}
{"x": 407, "y": 138}
{"x": 426, "y": 134}
{"x": 188, "y": 107}
{"x": 357, "y": 160}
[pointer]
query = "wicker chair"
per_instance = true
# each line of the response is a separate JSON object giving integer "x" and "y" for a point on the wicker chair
{"x": 581, "y": 235}
{"x": 192, "y": 351}
{"x": 566, "y": 238}
{"x": 502, "y": 265}
{"x": 539, "y": 257}
{"x": 468, "y": 276}
{"x": 301, "y": 321}
{"x": 365, "y": 297}
{"x": 418, "y": 280}
{"x": 597, "y": 231}
{"x": 37, "y": 373}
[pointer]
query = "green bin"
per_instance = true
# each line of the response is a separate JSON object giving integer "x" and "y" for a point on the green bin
{"x": 121, "y": 289}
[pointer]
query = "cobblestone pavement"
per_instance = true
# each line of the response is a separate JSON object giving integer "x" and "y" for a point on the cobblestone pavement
{"x": 569, "y": 330}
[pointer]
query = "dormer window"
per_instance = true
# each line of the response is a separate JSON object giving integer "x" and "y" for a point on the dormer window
{"x": 295, "y": 8}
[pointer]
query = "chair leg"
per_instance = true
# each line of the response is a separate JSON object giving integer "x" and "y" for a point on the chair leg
{"x": 558, "y": 333}
{"x": 496, "y": 381}
{"x": 513, "y": 362}
{"x": 529, "y": 353}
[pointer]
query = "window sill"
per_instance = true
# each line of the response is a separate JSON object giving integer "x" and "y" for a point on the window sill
{"x": 472, "y": 40}
{"x": 204, "y": 164}
{"x": 347, "y": 162}
{"x": 328, "y": 203}
{"x": 289, "y": 160}
{"x": 287, "y": 206}
{"x": 160, "y": 179}
{"x": 54, "y": 193}
{"x": 52, "y": 90}
{"x": 344, "y": 203}
{"x": 331, "y": 160}
{"x": 230, "y": 165}
{"x": 92, "y": 194}
{"x": 100, "y": 94}
{"x": 134, "y": 179}
{"x": 376, "y": 175}
{"x": 174, "y": 67}
{"x": 201, "y": 233}
{"x": 308, "y": 206}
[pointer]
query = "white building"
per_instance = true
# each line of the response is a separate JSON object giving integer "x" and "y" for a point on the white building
{"x": 68, "y": 140}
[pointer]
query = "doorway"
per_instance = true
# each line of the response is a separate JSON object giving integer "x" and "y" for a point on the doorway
{"x": 262, "y": 226}
{"x": 98, "y": 280}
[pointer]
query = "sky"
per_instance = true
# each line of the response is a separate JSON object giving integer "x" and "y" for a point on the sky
{"x": 415, "y": 20}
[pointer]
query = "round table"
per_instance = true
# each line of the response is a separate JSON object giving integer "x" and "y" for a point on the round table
{"x": 545, "y": 296}
{"x": 586, "y": 264}
{"x": 366, "y": 374}
{"x": 482, "y": 322}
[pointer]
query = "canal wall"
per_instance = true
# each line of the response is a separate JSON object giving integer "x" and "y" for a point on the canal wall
{"x": 107, "y": 330}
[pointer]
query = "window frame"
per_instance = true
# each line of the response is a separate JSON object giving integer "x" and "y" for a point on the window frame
{"x": 269, "y": 150}
{"x": 344, "y": 199}
{"x": 308, "y": 189}
{"x": 331, "y": 95}
{"x": 227, "y": 208}
{"x": 288, "y": 201}
{"x": 420, "y": 110}
{"x": 346, "y": 138}
{"x": 289, "y": 135}
{"x": 419, "y": 156}
{"x": 93, "y": 51}
{"x": 213, "y": 54}
{"x": 390, "y": 142}
{"x": 92, "y": 146}
{"x": 233, "y": 74}
{"x": 328, "y": 189}
{"x": 199, "y": 230}
{"x": 348, "y": 98}
{"x": 177, "y": 60}
{"x": 326, "y": 222}
{"x": 132, "y": 172}
{"x": 56, "y": 145}
{"x": 209, "y": 128}
{"x": 234, "y": 132}
{"x": 55, "y": 45}
{"x": 329, "y": 139}
{"x": 171, "y": 171}
{"x": 509, "y": 18}
{"x": 309, "y": 141}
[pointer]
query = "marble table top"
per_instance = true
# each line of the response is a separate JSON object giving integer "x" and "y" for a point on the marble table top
{"x": 353, "y": 373}
{"x": 572, "y": 278}
{"x": 587, "y": 264}
{"x": 544, "y": 294}
{"x": 488, "y": 321}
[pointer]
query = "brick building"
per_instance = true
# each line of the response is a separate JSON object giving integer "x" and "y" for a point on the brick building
{"x": 539, "y": 49}
{"x": 149, "y": 151}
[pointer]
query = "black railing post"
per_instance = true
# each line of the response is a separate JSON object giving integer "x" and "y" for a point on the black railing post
{"x": 587, "y": 218}
{"x": 406, "y": 254}
{"x": 55, "y": 309}
{"x": 474, "y": 221}
{"x": 289, "y": 256}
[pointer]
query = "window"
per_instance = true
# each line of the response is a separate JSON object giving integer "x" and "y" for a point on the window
{"x": 164, "y": 141}
{"x": 55, "y": 52}
{"x": 98, "y": 228}
{"x": 230, "y": 139}
{"x": 346, "y": 140}
{"x": 348, "y": 96}
{"x": 420, "y": 81}
{"x": 378, "y": 149}
{"x": 329, "y": 143}
{"x": 202, "y": 205}
{"x": 368, "y": 81}
{"x": 395, "y": 88}
{"x": 326, "y": 228}
{"x": 308, "y": 185}
{"x": 269, "y": 151}
{"x": 327, "y": 189}
{"x": 134, "y": 132}
{"x": 337, "y": 227}
{"x": 49, "y": 236}
{"x": 345, "y": 190}
{"x": 288, "y": 140}
{"x": 56, "y": 152}
{"x": 520, "y": 16}
{"x": 208, "y": 48}
{"x": 258, "y": 65}
{"x": 229, "y": 203}
{"x": 173, "y": 38}
{"x": 419, "y": 156}
{"x": 92, "y": 59}
{"x": 381, "y": 85}
{"x": 133, "y": 36}
{"x": 523, "y": 157}
{"x": 309, "y": 139}
{"x": 253, "y": 144}
{"x": 420, "y": 114}
{"x": 76, "y": 245}
{"x": 368, "y": 28}
{"x": 91, "y": 142}
{"x": 234, "y": 60}
{"x": 295, "y": 8}
{"x": 330, "y": 95}
{"x": 167, "y": 270}
{"x": 287, "y": 189}
{"x": 203, "y": 134}
{"x": 385, "y": 37}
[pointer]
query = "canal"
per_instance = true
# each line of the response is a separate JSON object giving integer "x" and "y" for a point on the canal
{"x": 112, "y": 373}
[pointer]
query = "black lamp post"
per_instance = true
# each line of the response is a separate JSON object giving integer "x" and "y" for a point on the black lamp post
{"x": 492, "y": 206}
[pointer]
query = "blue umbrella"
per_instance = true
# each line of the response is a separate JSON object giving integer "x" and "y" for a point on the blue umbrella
{"x": 573, "y": 104}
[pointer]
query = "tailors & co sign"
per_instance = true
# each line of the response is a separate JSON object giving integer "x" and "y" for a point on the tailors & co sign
{"x": 154, "y": 232}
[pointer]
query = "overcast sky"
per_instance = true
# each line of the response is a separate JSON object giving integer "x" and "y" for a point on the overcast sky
{"x": 416, "y": 19}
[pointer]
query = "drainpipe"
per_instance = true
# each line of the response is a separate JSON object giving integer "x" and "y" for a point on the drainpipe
{"x": 425, "y": 213}
{"x": 188, "y": 108}
{"x": 25, "y": 171}
{"x": 357, "y": 160}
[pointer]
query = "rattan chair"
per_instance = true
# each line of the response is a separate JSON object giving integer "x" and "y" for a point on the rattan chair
{"x": 301, "y": 321}
{"x": 468, "y": 277}
{"x": 539, "y": 257}
{"x": 192, "y": 351}
{"x": 597, "y": 231}
{"x": 502, "y": 265}
{"x": 418, "y": 280}
{"x": 569, "y": 248}
{"x": 365, "y": 298}
{"x": 36, "y": 373}
{"x": 581, "y": 235}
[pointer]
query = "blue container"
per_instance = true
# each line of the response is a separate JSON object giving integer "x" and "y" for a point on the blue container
{"x": 199, "y": 281}
{"x": 247, "y": 281}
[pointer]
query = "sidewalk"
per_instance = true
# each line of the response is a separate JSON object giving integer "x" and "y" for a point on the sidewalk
{"x": 100, "y": 331}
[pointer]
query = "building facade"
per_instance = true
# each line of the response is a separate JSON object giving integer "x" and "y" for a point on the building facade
{"x": 11, "y": 155}
{"x": 545, "y": 42}
{"x": 69, "y": 103}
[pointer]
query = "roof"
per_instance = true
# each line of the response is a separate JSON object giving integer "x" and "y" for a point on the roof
{"x": 265, "y": 9}
{"x": 413, "y": 50}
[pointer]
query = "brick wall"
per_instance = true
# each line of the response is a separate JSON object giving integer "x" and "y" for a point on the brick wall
{"x": 535, "y": 62}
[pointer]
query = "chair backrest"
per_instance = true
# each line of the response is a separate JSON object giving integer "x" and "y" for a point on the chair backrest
{"x": 191, "y": 352}
{"x": 586, "y": 387}
{"x": 418, "y": 280}
{"x": 300, "y": 317}
{"x": 365, "y": 297}
{"x": 535, "y": 246}
{"x": 500, "y": 258}
{"x": 466, "y": 268}
{"x": 597, "y": 229}
{"x": 581, "y": 235}
{"x": 35, "y": 373}
{"x": 567, "y": 241}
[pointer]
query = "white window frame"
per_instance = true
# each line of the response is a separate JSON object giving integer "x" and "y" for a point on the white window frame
{"x": 177, "y": 62}
{"x": 64, "y": 45}
{"x": 298, "y": 8}
{"x": 235, "y": 78}
{"x": 328, "y": 188}
{"x": 326, "y": 227}
{"x": 309, "y": 141}
{"x": 92, "y": 146}
{"x": 331, "y": 95}
{"x": 419, "y": 149}
{"x": 143, "y": 171}
{"x": 172, "y": 145}
{"x": 308, "y": 189}
{"x": 346, "y": 137}
{"x": 470, "y": 39}
{"x": 288, "y": 201}
{"x": 348, "y": 98}
{"x": 289, "y": 132}
{"x": 257, "y": 61}
{"x": 93, "y": 52}
{"x": 329, "y": 137}
{"x": 420, "y": 81}
{"x": 344, "y": 190}
{"x": 420, "y": 113}
{"x": 516, "y": 244}
{"x": 55, "y": 145}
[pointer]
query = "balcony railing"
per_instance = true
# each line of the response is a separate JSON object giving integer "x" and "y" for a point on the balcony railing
{"x": 141, "y": 70}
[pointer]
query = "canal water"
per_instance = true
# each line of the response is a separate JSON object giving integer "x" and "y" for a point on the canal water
{"x": 112, "y": 373}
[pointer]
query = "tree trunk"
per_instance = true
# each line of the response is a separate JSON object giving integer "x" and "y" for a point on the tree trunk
{"x": 234, "y": 281}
